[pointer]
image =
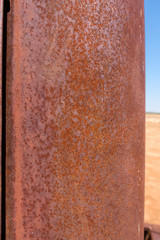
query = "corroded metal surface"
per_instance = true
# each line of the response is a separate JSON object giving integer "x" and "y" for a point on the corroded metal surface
{"x": 1, "y": 35}
{"x": 152, "y": 231}
{"x": 75, "y": 123}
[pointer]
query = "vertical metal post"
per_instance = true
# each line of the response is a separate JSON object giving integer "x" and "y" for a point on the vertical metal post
{"x": 75, "y": 119}
{"x": 1, "y": 45}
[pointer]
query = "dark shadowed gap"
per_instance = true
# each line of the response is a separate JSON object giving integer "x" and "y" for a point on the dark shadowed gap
{"x": 6, "y": 9}
{"x": 147, "y": 235}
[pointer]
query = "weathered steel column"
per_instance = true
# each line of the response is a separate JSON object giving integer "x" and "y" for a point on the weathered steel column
{"x": 75, "y": 112}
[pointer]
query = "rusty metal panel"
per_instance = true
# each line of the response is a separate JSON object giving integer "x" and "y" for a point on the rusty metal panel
{"x": 75, "y": 120}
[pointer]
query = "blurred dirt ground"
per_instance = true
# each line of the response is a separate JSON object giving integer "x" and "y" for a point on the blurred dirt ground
{"x": 152, "y": 169}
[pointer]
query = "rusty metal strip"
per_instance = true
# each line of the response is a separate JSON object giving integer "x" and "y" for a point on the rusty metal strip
{"x": 1, "y": 47}
{"x": 75, "y": 120}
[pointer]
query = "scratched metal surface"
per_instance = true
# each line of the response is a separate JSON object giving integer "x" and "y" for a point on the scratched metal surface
{"x": 75, "y": 120}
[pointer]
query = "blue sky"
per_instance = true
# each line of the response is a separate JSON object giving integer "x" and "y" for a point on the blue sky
{"x": 152, "y": 38}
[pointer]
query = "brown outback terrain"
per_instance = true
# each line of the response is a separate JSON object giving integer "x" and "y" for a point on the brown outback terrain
{"x": 152, "y": 174}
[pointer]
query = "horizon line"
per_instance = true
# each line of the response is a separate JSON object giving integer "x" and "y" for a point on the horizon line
{"x": 152, "y": 112}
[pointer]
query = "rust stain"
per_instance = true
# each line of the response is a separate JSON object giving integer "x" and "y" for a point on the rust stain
{"x": 75, "y": 120}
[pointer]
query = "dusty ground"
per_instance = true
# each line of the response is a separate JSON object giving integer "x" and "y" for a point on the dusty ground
{"x": 152, "y": 175}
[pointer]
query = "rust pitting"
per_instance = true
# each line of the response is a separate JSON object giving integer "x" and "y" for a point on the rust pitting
{"x": 76, "y": 119}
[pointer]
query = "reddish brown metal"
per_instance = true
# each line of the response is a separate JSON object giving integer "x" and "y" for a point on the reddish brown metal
{"x": 1, "y": 35}
{"x": 152, "y": 231}
{"x": 75, "y": 120}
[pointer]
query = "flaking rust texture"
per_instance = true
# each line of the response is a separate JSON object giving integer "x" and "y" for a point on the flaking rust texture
{"x": 75, "y": 120}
